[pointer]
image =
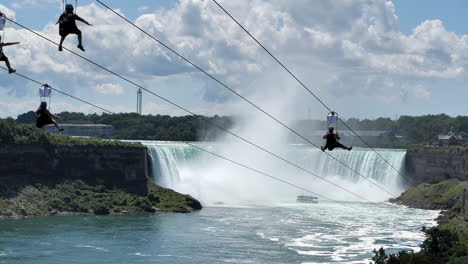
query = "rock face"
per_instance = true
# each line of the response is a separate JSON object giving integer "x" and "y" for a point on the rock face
{"x": 436, "y": 166}
{"x": 124, "y": 167}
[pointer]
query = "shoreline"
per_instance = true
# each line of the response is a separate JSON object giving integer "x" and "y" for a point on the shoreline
{"x": 75, "y": 198}
{"x": 447, "y": 242}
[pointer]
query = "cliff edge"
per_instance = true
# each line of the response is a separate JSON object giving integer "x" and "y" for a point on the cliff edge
{"x": 43, "y": 174}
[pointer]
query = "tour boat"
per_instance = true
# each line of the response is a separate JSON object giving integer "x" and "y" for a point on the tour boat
{"x": 307, "y": 199}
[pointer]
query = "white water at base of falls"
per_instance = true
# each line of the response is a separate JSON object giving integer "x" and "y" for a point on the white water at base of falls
{"x": 214, "y": 181}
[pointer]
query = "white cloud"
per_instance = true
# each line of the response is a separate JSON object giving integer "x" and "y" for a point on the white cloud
{"x": 420, "y": 91}
{"x": 11, "y": 108}
{"x": 85, "y": 108}
{"x": 342, "y": 48}
{"x": 109, "y": 88}
{"x": 8, "y": 13}
{"x": 143, "y": 8}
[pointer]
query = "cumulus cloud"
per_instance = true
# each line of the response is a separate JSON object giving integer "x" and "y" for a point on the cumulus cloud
{"x": 7, "y": 12}
{"x": 109, "y": 88}
{"x": 418, "y": 91}
{"x": 340, "y": 47}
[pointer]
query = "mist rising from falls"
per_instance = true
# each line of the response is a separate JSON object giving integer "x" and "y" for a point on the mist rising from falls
{"x": 189, "y": 170}
{"x": 210, "y": 179}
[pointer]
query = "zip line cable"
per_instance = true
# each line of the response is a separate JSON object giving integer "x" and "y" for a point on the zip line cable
{"x": 305, "y": 87}
{"x": 195, "y": 115}
{"x": 57, "y": 90}
{"x": 193, "y": 145}
{"x": 242, "y": 97}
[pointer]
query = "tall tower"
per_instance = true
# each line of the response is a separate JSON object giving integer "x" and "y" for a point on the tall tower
{"x": 139, "y": 101}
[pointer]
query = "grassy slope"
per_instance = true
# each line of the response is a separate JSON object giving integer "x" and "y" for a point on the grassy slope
{"x": 440, "y": 196}
{"x": 453, "y": 224}
{"x": 79, "y": 198}
{"x": 445, "y": 196}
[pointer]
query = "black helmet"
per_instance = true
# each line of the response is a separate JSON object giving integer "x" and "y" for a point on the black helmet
{"x": 69, "y": 7}
{"x": 43, "y": 103}
{"x": 331, "y": 129}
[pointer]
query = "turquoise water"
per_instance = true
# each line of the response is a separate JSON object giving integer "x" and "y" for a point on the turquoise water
{"x": 277, "y": 233}
{"x": 261, "y": 224}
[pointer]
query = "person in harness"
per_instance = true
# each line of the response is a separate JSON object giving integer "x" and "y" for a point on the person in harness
{"x": 5, "y": 58}
{"x": 67, "y": 25}
{"x": 332, "y": 141}
{"x": 44, "y": 117}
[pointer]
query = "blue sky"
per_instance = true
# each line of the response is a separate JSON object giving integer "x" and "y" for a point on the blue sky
{"x": 453, "y": 13}
{"x": 42, "y": 13}
{"x": 366, "y": 71}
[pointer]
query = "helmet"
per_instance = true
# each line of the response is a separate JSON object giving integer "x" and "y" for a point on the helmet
{"x": 69, "y": 7}
{"x": 43, "y": 103}
{"x": 331, "y": 129}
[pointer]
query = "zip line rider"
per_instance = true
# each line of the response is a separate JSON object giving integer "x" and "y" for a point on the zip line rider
{"x": 5, "y": 58}
{"x": 67, "y": 25}
{"x": 44, "y": 117}
{"x": 2, "y": 44}
{"x": 332, "y": 141}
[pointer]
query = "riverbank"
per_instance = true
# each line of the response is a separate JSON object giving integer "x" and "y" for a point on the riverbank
{"x": 79, "y": 198}
{"x": 445, "y": 243}
{"x": 43, "y": 175}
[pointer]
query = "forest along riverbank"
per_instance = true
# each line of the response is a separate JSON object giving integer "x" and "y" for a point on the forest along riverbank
{"x": 445, "y": 243}
{"x": 43, "y": 174}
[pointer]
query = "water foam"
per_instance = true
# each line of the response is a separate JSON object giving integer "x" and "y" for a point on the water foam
{"x": 214, "y": 181}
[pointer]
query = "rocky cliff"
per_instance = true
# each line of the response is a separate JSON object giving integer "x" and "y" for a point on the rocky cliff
{"x": 122, "y": 167}
{"x": 45, "y": 180}
{"x": 431, "y": 166}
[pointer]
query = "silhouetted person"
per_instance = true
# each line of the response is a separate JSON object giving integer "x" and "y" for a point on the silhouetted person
{"x": 3, "y": 57}
{"x": 332, "y": 141}
{"x": 67, "y": 25}
{"x": 44, "y": 117}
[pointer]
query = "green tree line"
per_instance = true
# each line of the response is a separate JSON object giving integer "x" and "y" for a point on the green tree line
{"x": 147, "y": 127}
{"x": 12, "y": 133}
{"x": 402, "y": 132}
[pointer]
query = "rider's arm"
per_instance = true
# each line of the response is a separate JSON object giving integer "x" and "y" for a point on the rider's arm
{"x": 52, "y": 115}
{"x": 9, "y": 44}
{"x": 82, "y": 20}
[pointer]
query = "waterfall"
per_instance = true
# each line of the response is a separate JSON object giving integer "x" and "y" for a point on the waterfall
{"x": 187, "y": 169}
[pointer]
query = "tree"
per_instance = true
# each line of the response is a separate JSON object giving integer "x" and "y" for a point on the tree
{"x": 27, "y": 118}
{"x": 380, "y": 256}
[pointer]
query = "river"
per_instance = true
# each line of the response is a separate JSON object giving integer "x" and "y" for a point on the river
{"x": 248, "y": 218}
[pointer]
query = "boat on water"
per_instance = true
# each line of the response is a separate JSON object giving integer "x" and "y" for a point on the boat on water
{"x": 307, "y": 199}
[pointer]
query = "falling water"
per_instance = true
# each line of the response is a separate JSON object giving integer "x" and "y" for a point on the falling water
{"x": 187, "y": 169}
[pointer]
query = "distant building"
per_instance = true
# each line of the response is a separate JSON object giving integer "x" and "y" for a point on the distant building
{"x": 83, "y": 130}
{"x": 370, "y": 136}
{"x": 450, "y": 140}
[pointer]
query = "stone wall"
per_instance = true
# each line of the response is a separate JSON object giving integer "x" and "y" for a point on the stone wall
{"x": 436, "y": 166}
{"x": 124, "y": 167}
